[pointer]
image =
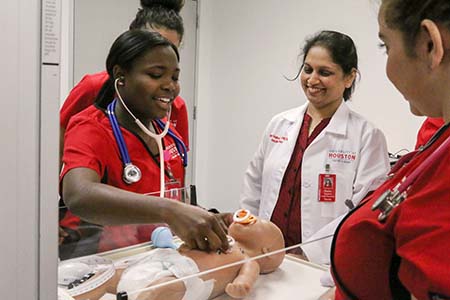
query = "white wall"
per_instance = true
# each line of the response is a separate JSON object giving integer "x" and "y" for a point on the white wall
{"x": 19, "y": 151}
{"x": 28, "y": 220}
{"x": 245, "y": 48}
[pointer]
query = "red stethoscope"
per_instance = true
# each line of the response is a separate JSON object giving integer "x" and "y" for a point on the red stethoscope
{"x": 392, "y": 198}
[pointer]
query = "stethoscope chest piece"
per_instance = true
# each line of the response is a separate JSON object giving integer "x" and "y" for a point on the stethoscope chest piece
{"x": 387, "y": 202}
{"x": 131, "y": 173}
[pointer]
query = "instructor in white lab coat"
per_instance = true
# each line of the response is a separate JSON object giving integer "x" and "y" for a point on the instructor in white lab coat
{"x": 316, "y": 160}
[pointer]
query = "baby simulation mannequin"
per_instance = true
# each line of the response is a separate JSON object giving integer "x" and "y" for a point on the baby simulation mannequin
{"x": 249, "y": 237}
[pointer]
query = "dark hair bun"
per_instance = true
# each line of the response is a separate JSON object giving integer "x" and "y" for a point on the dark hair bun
{"x": 175, "y": 5}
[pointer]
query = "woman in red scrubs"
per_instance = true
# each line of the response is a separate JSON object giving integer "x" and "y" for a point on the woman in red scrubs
{"x": 162, "y": 16}
{"x": 406, "y": 255}
{"x": 143, "y": 74}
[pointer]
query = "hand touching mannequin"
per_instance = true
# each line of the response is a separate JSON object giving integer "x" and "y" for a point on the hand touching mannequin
{"x": 104, "y": 140}
{"x": 250, "y": 237}
{"x": 162, "y": 16}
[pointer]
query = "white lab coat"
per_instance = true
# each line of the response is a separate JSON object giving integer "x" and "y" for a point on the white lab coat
{"x": 355, "y": 150}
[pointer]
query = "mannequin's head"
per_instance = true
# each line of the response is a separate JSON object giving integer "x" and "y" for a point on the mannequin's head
{"x": 259, "y": 237}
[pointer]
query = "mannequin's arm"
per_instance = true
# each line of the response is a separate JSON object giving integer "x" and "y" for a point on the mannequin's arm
{"x": 242, "y": 284}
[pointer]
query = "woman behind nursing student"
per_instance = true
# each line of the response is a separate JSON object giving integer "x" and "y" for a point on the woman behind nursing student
{"x": 143, "y": 70}
{"x": 322, "y": 139}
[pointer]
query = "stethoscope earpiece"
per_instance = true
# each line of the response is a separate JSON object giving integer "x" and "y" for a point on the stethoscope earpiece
{"x": 120, "y": 80}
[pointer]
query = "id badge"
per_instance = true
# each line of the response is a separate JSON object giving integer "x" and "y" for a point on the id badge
{"x": 327, "y": 187}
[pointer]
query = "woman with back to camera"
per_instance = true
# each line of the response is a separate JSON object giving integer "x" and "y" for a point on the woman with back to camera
{"x": 322, "y": 139}
{"x": 404, "y": 253}
{"x": 143, "y": 82}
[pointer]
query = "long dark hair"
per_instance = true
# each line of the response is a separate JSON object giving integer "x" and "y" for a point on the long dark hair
{"x": 126, "y": 49}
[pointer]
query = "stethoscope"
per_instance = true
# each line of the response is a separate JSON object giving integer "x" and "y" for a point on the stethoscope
{"x": 392, "y": 198}
{"x": 131, "y": 173}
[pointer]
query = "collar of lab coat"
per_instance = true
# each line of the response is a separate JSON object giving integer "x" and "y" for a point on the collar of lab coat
{"x": 338, "y": 122}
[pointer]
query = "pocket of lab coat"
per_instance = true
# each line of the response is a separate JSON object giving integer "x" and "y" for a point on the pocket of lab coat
{"x": 344, "y": 191}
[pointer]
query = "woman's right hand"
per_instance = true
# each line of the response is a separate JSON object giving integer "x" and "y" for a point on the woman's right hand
{"x": 198, "y": 228}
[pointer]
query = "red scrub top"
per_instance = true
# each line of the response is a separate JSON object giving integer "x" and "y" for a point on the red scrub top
{"x": 426, "y": 131}
{"x": 85, "y": 92}
{"x": 90, "y": 143}
{"x": 411, "y": 249}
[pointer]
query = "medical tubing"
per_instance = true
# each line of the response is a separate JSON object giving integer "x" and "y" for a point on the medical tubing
{"x": 424, "y": 166}
{"x": 158, "y": 140}
{"x": 157, "y": 137}
{"x": 116, "y": 129}
{"x": 227, "y": 266}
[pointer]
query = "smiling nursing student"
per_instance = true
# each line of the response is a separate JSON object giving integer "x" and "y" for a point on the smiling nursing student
{"x": 142, "y": 85}
{"x": 315, "y": 157}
